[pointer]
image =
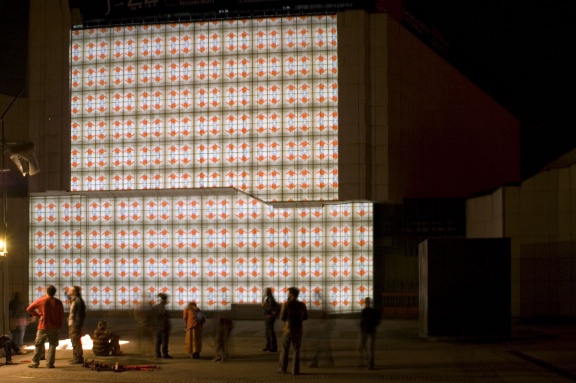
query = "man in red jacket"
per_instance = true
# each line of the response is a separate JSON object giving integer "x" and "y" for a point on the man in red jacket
{"x": 51, "y": 313}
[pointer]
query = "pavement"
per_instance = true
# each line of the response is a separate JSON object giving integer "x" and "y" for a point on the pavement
{"x": 534, "y": 353}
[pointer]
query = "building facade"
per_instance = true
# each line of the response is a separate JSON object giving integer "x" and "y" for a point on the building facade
{"x": 369, "y": 114}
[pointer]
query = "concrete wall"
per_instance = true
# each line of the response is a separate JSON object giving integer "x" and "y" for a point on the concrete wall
{"x": 42, "y": 115}
{"x": 412, "y": 126}
{"x": 48, "y": 90}
{"x": 539, "y": 216}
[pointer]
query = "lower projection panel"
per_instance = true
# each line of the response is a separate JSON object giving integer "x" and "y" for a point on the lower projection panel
{"x": 214, "y": 250}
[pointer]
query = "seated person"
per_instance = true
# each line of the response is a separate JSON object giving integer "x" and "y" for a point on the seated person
{"x": 105, "y": 343}
{"x": 8, "y": 345}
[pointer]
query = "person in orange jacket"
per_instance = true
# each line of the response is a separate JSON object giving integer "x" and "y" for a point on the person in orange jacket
{"x": 50, "y": 310}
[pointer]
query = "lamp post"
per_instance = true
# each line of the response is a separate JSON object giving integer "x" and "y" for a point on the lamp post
{"x": 21, "y": 153}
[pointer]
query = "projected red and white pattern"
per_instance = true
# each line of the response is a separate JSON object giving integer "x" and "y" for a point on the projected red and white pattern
{"x": 213, "y": 249}
{"x": 180, "y": 135}
{"x": 250, "y": 104}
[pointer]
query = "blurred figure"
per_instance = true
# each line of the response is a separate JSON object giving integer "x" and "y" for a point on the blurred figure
{"x": 75, "y": 322}
{"x": 369, "y": 320}
{"x": 144, "y": 328}
{"x": 223, "y": 330}
{"x": 8, "y": 346}
{"x": 271, "y": 311}
{"x": 194, "y": 322}
{"x": 323, "y": 347}
{"x": 293, "y": 314}
{"x": 105, "y": 343}
{"x": 51, "y": 313}
{"x": 19, "y": 319}
{"x": 161, "y": 324}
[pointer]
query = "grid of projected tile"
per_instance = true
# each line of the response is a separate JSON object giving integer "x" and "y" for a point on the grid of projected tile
{"x": 250, "y": 104}
{"x": 213, "y": 249}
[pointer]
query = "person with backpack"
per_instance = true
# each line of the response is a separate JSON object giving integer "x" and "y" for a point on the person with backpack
{"x": 194, "y": 324}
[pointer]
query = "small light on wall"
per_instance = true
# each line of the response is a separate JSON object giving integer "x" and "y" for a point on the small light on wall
{"x": 3, "y": 250}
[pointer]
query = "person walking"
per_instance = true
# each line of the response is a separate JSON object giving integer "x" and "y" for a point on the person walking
{"x": 369, "y": 320}
{"x": 222, "y": 339}
{"x": 323, "y": 347}
{"x": 76, "y": 319}
{"x": 271, "y": 309}
{"x": 50, "y": 310}
{"x": 293, "y": 314}
{"x": 162, "y": 326}
{"x": 194, "y": 324}
{"x": 19, "y": 319}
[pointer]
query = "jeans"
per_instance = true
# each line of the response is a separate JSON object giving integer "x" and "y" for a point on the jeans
{"x": 41, "y": 337}
{"x": 18, "y": 335}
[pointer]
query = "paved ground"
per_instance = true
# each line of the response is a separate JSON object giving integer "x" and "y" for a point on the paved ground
{"x": 533, "y": 354}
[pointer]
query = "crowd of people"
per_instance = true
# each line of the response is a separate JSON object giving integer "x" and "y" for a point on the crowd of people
{"x": 154, "y": 321}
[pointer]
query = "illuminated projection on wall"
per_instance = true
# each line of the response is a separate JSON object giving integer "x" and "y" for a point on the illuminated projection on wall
{"x": 199, "y": 155}
{"x": 215, "y": 250}
{"x": 249, "y": 104}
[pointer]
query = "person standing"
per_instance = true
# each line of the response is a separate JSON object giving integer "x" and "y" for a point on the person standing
{"x": 161, "y": 324}
{"x": 194, "y": 323}
{"x": 50, "y": 310}
{"x": 75, "y": 323}
{"x": 19, "y": 319}
{"x": 270, "y": 313}
{"x": 293, "y": 314}
{"x": 369, "y": 320}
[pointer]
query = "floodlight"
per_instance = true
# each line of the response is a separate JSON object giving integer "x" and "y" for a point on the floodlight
{"x": 22, "y": 154}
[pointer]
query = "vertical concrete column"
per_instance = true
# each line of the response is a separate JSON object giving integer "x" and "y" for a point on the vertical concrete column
{"x": 48, "y": 91}
{"x": 379, "y": 171}
{"x": 354, "y": 158}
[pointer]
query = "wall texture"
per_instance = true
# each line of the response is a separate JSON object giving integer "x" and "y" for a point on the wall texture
{"x": 540, "y": 219}
{"x": 411, "y": 125}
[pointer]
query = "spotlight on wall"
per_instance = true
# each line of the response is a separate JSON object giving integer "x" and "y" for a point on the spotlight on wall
{"x": 22, "y": 154}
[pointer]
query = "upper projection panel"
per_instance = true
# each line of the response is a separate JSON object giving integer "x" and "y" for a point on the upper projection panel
{"x": 250, "y": 104}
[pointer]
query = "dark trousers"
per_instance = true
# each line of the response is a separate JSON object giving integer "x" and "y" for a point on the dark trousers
{"x": 9, "y": 346}
{"x": 294, "y": 339}
{"x": 161, "y": 343}
{"x": 366, "y": 349}
{"x": 271, "y": 344}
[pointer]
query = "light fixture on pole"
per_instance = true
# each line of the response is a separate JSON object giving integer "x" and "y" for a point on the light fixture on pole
{"x": 21, "y": 152}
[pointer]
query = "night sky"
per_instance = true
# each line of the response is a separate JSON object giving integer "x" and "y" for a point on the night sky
{"x": 521, "y": 53}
